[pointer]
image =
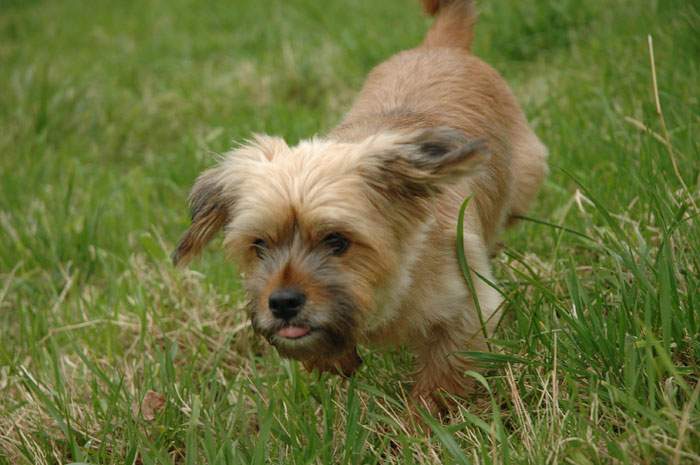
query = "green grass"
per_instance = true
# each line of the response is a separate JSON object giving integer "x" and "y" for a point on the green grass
{"x": 108, "y": 111}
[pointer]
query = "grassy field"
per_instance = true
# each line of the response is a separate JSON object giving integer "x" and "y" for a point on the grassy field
{"x": 108, "y": 111}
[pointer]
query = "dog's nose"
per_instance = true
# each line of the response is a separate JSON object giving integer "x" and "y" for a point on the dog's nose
{"x": 285, "y": 303}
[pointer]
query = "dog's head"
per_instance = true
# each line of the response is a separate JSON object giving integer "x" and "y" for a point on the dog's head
{"x": 319, "y": 229}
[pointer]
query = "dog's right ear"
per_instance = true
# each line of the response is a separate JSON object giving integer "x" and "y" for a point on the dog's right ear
{"x": 210, "y": 208}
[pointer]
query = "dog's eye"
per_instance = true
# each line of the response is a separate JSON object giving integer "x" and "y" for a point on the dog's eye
{"x": 337, "y": 243}
{"x": 260, "y": 246}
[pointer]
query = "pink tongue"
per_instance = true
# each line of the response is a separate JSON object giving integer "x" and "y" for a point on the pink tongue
{"x": 293, "y": 332}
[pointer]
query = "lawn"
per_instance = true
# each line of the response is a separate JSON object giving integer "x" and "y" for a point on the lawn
{"x": 109, "y": 110}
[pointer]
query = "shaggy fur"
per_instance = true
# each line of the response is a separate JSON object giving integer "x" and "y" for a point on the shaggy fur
{"x": 431, "y": 126}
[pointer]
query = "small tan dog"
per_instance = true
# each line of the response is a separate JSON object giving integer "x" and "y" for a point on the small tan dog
{"x": 350, "y": 238}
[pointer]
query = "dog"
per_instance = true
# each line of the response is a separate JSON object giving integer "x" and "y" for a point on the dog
{"x": 350, "y": 238}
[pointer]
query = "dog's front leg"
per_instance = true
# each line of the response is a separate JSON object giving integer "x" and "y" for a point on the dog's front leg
{"x": 344, "y": 365}
{"x": 441, "y": 371}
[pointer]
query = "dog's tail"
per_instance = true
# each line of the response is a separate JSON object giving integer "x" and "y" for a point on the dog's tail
{"x": 454, "y": 23}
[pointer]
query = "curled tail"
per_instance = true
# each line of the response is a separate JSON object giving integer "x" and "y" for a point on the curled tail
{"x": 454, "y": 23}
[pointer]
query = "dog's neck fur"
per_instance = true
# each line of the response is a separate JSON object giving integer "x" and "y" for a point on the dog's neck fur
{"x": 391, "y": 298}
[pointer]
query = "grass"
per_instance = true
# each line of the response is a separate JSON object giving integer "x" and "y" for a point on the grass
{"x": 109, "y": 110}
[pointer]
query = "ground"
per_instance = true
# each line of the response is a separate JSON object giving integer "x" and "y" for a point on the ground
{"x": 108, "y": 111}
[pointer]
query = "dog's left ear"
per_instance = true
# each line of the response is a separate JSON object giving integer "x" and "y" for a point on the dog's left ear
{"x": 210, "y": 208}
{"x": 420, "y": 164}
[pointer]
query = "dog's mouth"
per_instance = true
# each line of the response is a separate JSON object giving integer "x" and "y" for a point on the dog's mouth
{"x": 295, "y": 334}
{"x": 307, "y": 335}
{"x": 299, "y": 341}
{"x": 294, "y": 331}
{"x": 302, "y": 341}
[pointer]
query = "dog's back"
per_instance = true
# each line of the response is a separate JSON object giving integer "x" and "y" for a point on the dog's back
{"x": 440, "y": 83}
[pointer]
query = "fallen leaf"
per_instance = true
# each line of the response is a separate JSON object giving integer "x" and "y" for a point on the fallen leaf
{"x": 153, "y": 402}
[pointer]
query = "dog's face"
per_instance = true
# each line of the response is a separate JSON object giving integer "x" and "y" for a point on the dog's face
{"x": 319, "y": 229}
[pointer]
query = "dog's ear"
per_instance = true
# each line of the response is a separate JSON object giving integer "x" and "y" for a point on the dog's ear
{"x": 420, "y": 164}
{"x": 210, "y": 208}
{"x": 214, "y": 194}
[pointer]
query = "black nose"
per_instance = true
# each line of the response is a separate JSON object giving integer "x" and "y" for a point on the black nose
{"x": 286, "y": 303}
